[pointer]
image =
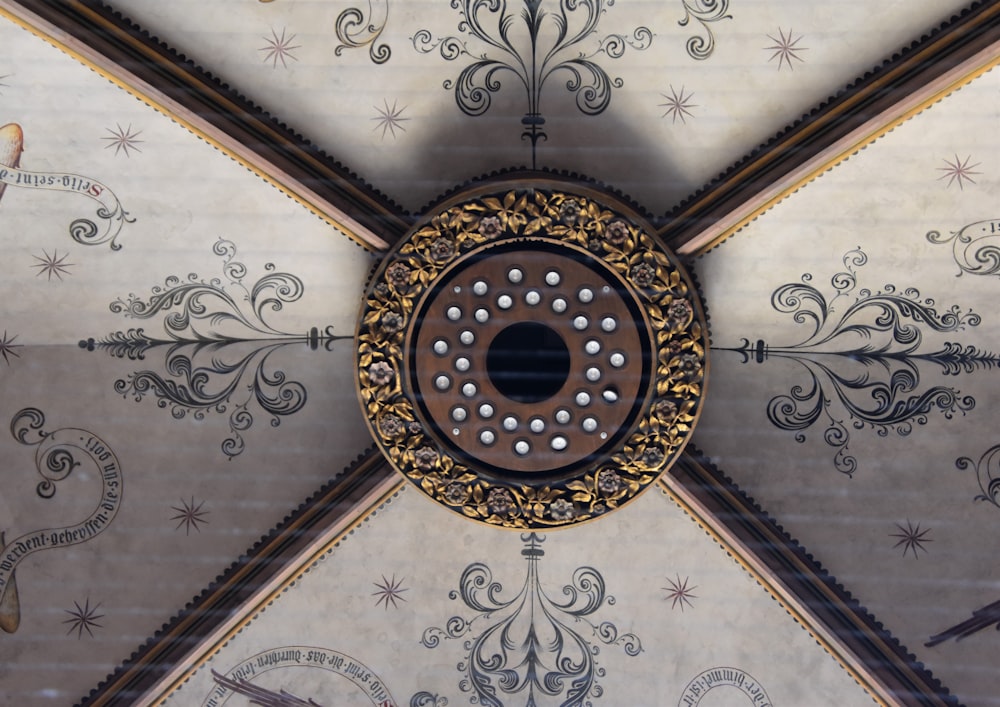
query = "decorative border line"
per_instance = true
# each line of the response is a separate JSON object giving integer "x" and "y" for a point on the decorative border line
{"x": 224, "y": 608}
{"x": 105, "y": 41}
{"x": 957, "y": 52}
{"x": 841, "y": 625}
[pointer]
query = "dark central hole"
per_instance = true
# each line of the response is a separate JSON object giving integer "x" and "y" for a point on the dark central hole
{"x": 528, "y": 362}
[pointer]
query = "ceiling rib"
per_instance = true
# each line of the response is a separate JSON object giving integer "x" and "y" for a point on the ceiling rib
{"x": 170, "y": 82}
{"x": 957, "y": 52}
{"x": 838, "y": 621}
{"x": 251, "y": 582}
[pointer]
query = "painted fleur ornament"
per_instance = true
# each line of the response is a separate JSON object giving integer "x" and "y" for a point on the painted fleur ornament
{"x": 877, "y": 332}
{"x": 531, "y": 647}
{"x": 530, "y": 44}
{"x": 424, "y": 449}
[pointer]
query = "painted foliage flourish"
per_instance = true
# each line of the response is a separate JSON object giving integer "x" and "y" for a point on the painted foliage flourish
{"x": 531, "y": 644}
{"x": 560, "y": 41}
{"x": 861, "y": 358}
{"x": 216, "y": 345}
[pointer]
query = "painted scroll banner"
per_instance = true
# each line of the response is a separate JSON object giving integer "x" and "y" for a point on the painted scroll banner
{"x": 239, "y": 680}
{"x": 82, "y": 230}
{"x": 58, "y": 454}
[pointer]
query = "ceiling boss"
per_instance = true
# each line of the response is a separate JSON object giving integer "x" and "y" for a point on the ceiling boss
{"x": 530, "y": 356}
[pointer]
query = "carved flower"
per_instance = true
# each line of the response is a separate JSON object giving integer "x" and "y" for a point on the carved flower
{"x": 665, "y": 411}
{"x": 594, "y": 245}
{"x": 689, "y": 365}
{"x": 561, "y": 509}
{"x": 414, "y": 428}
{"x": 499, "y": 501}
{"x": 608, "y": 481}
{"x": 442, "y": 248}
{"x": 569, "y": 212}
{"x": 391, "y": 322}
{"x": 425, "y": 458}
{"x": 381, "y": 289}
{"x": 652, "y": 457}
{"x": 643, "y": 274}
{"x": 679, "y": 311}
{"x": 391, "y": 426}
{"x": 380, "y": 373}
{"x": 490, "y": 227}
{"x": 675, "y": 346}
{"x": 616, "y": 233}
{"x": 456, "y": 493}
{"x": 398, "y": 275}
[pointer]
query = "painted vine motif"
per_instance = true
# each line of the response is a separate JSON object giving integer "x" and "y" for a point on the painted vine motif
{"x": 705, "y": 12}
{"x": 356, "y": 30}
{"x": 662, "y": 291}
{"x": 975, "y": 247}
{"x": 57, "y": 455}
{"x": 863, "y": 360}
{"x": 495, "y": 26}
{"x": 217, "y": 345}
{"x": 531, "y": 644}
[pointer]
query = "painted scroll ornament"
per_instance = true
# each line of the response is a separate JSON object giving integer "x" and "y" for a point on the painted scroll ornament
{"x": 300, "y": 675}
{"x": 83, "y": 230}
{"x": 57, "y": 455}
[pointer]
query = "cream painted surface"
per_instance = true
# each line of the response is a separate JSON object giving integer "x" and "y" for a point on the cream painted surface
{"x": 886, "y": 199}
{"x": 740, "y": 97}
{"x": 730, "y": 621}
{"x": 183, "y": 194}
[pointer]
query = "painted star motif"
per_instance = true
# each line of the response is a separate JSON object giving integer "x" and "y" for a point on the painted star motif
{"x": 389, "y": 118}
{"x": 189, "y": 515}
{"x": 123, "y": 139}
{"x": 83, "y": 618}
{"x": 911, "y": 538}
{"x": 7, "y": 347}
{"x": 959, "y": 170}
{"x": 679, "y": 592}
{"x": 389, "y": 591}
{"x": 785, "y": 49}
{"x": 279, "y": 49}
{"x": 52, "y": 264}
{"x": 677, "y": 105}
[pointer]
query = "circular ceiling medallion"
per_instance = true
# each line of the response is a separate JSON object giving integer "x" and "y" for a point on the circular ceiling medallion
{"x": 531, "y": 356}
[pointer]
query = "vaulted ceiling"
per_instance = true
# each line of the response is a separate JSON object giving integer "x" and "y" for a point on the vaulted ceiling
{"x": 195, "y": 199}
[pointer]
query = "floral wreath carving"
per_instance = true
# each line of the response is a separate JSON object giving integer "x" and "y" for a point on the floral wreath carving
{"x": 548, "y": 214}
